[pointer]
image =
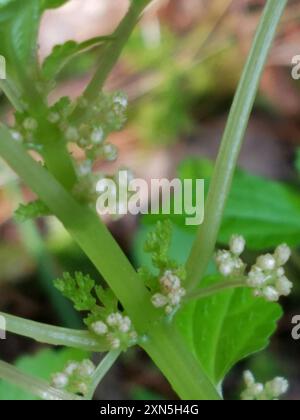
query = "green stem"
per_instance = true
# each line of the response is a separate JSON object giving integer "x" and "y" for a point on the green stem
{"x": 105, "y": 365}
{"x": 34, "y": 386}
{"x": 56, "y": 336}
{"x": 232, "y": 141}
{"x": 217, "y": 288}
{"x": 11, "y": 95}
{"x": 111, "y": 53}
{"x": 93, "y": 237}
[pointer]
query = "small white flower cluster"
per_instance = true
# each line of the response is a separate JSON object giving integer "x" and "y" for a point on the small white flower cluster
{"x": 171, "y": 293}
{"x": 267, "y": 276}
{"x": 75, "y": 378}
{"x": 229, "y": 262}
{"x": 117, "y": 329}
{"x": 270, "y": 391}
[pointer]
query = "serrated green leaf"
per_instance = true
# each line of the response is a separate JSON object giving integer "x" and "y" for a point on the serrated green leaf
{"x": 62, "y": 54}
{"x": 31, "y": 211}
{"x": 227, "y": 327}
{"x": 265, "y": 212}
{"x": 78, "y": 289}
{"x": 41, "y": 365}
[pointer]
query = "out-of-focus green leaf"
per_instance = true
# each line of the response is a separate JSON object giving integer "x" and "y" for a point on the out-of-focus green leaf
{"x": 227, "y": 327}
{"x": 62, "y": 54}
{"x": 298, "y": 161}
{"x": 18, "y": 32}
{"x": 41, "y": 365}
{"x": 265, "y": 212}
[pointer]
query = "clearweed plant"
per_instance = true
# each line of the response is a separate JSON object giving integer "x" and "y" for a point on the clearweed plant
{"x": 235, "y": 309}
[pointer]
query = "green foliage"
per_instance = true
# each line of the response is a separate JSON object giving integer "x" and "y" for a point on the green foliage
{"x": 41, "y": 365}
{"x": 83, "y": 292}
{"x": 265, "y": 212}
{"x": 157, "y": 244}
{"x": 18, "y": 31}
{"x": 78, "y": 289}
{"x": 227, "y": 327}
{"x": 31, "y": 211}
{"x": 62, "y": 54}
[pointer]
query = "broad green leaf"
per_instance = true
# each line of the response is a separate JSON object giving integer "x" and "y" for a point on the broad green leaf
{"x": 41, "y": 365}
{"x": 62, "y": 54}
{"x": 265, "y": 212}
{"x": 227, "y": 327}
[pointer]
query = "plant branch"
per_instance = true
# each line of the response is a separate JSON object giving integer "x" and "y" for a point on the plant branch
{"x": 56, "y": 336}
{"x": 103, "y": 368}
{"x": 35, "y": 386}
{"x": 188, "y": 379}
{"x": 231, "y": 143}
{"x": 212, "y": 290}
{"x": 111, "y": 53}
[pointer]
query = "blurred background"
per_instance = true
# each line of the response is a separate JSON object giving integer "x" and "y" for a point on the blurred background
{"x": 180, "y": 71}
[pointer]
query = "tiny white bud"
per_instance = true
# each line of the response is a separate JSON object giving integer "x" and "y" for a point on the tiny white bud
{"x": 158, "y": 300}
{"x": 170, "y": 282}
{"x": 223, "y": 257}
{"x": 237, "y": 245}
{"x": 70, "y": 368}
{"x": 256, "y": 277}
{"x": 284, "y": 286}
{"x": 99, "y": 328}
{"x": 266, "y": 262}
{"x": 72, "y": 134}
{"x": 86, "y": 368}
{"x": 280, "y": 272}
{"x": 121, "y": 99}
{"x": 125, "y": 325}
{"x": 282, "y": 254}
{"x": 30, "y": 124}
{"x": 271, "y": 294}
{"x": 60, "y": 380}
{"x": 249, "y": 378}
{"x": 114, "y": 342}
{"x": 53, "y": 117}
{"x": 257, "y": 389}
{"x": 85, "y": 167}
{"x": 174, "y": 298}
{"x": 226, "y": 268}
{"x": 277, "y": 387}
{"x": 110, "y": 152}
{"x": 17, "y": 136}
{"x": 112, "y": 320}
{"x": 97, "y": 136}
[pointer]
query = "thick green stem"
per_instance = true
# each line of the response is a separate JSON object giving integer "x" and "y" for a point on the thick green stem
{"x": 232, "y": 141}
{"x": 34, "y": 386}
{"x": 187, "y": 378}
{"x": 50, "y": 334}
{"x": 105, "y": 365}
